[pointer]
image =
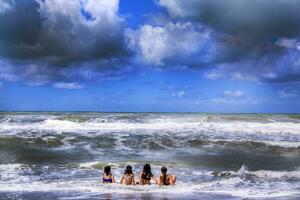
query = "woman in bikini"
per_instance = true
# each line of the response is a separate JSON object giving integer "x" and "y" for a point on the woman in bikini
{"x": 128, "y": 177}
{"x": 166, "y": 179}
{"x": 107, "y": 176}
{"x": 146, "y": 175}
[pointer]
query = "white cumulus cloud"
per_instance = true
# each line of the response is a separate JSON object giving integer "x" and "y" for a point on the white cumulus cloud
{"x": 179, "y": 94}
{"x": 5, "y": 5}
{"x": 213, "y": 75}
{"x": 65, "y": 85}
{"x": 232, "y": 97}
{"x": 69, "y": 31}
{"x": 172, "y": 43}
{"x": 237, "y": 93}
{"x": 285, "y": 95}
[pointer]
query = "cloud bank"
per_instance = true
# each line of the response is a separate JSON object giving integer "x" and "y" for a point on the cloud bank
{"x": 61, "y": 32}
{"x": 51, "y": 41}
{"x": 262, "y": 33}
{"x": 55, "y": 34}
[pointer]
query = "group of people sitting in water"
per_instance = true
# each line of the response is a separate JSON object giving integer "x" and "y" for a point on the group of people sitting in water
{"x": 145, "y": 177}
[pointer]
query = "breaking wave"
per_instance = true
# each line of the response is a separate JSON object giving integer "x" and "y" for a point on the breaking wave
{"x": 64, "y": 153}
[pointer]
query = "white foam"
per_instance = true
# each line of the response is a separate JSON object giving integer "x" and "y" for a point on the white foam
{"x": 5, "y": 167}
{"x": 282, "y": 144}
{"x": 276, "y": 174}
{"x": 265, "y": 184}
{"x": 225, "y": 186}
{"x": 11, "y": 173}
{"x": 265, "y": 174}
{"x": 165, "y": 124}
{"x": 284, "y": 134}
{"x": 285, "y": 144}
{"x": 88, "y": 164}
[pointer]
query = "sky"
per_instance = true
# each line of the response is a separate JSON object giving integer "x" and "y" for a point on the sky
{"x": 150, "y": 56}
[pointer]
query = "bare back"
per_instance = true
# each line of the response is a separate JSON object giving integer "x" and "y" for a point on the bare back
{"x": 166, "y": 180}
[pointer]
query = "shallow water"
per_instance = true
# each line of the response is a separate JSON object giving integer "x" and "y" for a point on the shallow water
{"x": 214, "y": 156}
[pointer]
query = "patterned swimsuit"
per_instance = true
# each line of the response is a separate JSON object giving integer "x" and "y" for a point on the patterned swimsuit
{"x": 128, "y": 179}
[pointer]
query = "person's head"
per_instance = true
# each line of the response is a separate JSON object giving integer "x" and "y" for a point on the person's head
{"x": 147, "y": 172}
{"x": 107, "y": 170}
{"x": 128, "y": 170}
{"x": 164, "y": 170}
{"x": 147, "y": 169}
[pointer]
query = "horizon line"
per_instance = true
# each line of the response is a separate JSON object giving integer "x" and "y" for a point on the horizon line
{"x": 179, "y": 112}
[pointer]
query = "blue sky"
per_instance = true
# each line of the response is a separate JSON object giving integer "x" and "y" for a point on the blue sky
{"x": 150, "y": 56}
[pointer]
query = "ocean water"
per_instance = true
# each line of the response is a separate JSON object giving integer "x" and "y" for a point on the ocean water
{"x": 214, "y": 156}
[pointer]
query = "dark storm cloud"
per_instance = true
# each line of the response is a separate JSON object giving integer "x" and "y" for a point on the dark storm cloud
{"x": 20, "y": 25}
{"x": 249, "y": 34}
{"x": 269, "y": 68}
{"x": 58, "y": 40}
{"x": 44, "y": 41}
{"x": 40, "y": 74}
{"x": 60, "y": 32}
{"x": 255, "y": 18}
{"x": 245, "y": 28}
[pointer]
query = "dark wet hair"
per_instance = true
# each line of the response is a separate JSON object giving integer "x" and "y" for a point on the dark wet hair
{"x": 128, "y": 170}
{"x": 164, "y": 172}
{"x": 147, "y": 174}
{"x": 107, "y": 170}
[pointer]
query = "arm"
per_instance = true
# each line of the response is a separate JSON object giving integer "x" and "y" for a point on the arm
{"x": 133, "y": 182}
{"x": 122, "y": 179}
{"x": 141, "y": 180}
{"x": 172, "y": 179}
{"x": 113, "y": 179}
{"x": 159, "y": 181}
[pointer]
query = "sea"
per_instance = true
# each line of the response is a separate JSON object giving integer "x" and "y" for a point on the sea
{"x": 61, "y": 155}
